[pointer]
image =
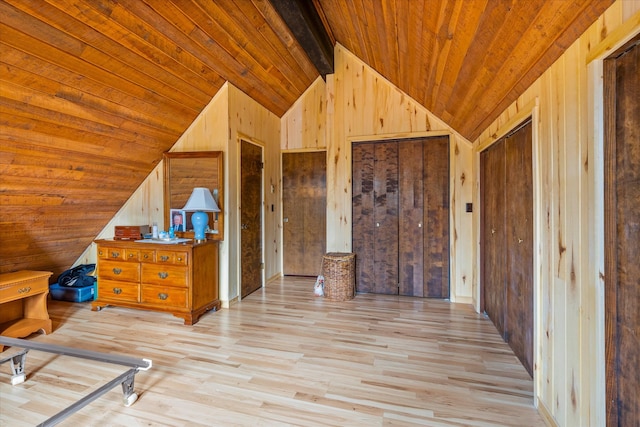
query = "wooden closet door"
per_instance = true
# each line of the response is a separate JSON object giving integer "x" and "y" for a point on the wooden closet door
{"x": 622, "y": 235}
{"x": 411, "y": 219}
{"x": 304, "y": 205}
{"x": 436, "y": 217}
{"x": 385, "y": 208}
{"x": 492, "y": 188}
{"x": 250, "y": 217}
{"x": 519, "y": 245}
{"x": 362, "y": 215}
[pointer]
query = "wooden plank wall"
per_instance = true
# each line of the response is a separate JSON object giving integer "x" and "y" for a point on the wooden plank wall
{"x": 569, "y": 342}
{"x": 229, "y": 115}
{"x": 357, "y": 103}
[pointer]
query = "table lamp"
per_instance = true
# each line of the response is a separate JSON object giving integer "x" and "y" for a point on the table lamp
{"x": 200, "y": 202}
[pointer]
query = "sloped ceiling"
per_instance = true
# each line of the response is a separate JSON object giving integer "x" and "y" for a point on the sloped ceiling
{"x": 92, "y": 92}
{"x": 467, "y": 60}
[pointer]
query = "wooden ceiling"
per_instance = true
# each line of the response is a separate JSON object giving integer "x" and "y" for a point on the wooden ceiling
{"x": 466, "y": 60}
{"x": 92, "y": 92}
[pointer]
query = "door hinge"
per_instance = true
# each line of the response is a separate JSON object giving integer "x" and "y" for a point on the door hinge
{"x": 261, "y": 165}
{"x": 262, "y": 266}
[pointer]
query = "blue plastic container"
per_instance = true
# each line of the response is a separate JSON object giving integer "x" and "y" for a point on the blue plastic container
{"x": 68, "y": 293}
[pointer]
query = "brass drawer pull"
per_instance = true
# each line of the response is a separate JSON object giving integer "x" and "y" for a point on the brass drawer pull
{"x": 146, "y": 256}
{"x": 117, "y": 270}
{"x": 24, "y": 290}
{"x": 180, "y": 258}
{"x": 117, "y": 291}
{"x": 164, "y": 258}
{"x": 115, "y": 254}
{"x": 163, "y": 274}
{"x": 130, "y": 255}
{"x": 163, "y": 296}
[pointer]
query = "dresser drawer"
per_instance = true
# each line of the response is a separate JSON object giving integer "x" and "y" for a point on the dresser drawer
{"x": 115, "y": 290}
{"x": 122, "y": 271}
{"x": 148, "y": 255}
{"x": 164, "y": 296}
{"x": 171, "y": 257}
{"x": 119, "y": 254}
{"x": 23, "y": 289}
{"x": 166, "y": 275}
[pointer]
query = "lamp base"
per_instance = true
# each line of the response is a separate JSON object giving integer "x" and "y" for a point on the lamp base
{"x": 199, "y": 220}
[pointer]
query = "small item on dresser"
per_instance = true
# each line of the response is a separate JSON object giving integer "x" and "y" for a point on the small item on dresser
{"x": 130, "y": 232}
{"x": 154, "y": 234}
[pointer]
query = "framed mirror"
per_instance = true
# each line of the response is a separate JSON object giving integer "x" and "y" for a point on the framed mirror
{"x": 182, "y": 173}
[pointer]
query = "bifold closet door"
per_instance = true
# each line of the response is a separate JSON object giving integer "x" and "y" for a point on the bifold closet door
{"x": 506, "y": 186}
{"x": 400, "y": 212}
{"x": 411, "y": 221}
{"x": 622, "y": 234}
{"x": 424, "y": 217}
{"x": 492, "y": 181}
{"x": 436, "y": 217}
{"x": 375, "y": 216}
{"x": 519, "y": 245}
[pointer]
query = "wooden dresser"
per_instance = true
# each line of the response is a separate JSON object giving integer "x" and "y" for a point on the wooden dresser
{"x": 181, "y": 278}
{"x": 23, "y": 303}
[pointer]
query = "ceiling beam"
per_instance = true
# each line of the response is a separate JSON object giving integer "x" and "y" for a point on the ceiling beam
{"x": 306, "y": 25}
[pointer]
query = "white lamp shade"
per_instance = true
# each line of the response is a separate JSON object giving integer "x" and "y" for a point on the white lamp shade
{"x": 201, "y": 200}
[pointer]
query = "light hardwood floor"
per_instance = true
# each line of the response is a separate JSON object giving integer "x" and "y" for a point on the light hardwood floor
{"x": 282, "y": 357}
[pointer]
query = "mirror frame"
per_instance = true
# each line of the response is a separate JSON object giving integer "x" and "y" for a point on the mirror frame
{"x": 218, "y": 184}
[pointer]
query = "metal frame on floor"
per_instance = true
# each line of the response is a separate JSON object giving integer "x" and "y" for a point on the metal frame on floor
{"x": 126, "y": 379}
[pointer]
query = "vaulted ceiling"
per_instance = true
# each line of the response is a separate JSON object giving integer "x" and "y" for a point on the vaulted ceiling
{"x": 92, "y": 92}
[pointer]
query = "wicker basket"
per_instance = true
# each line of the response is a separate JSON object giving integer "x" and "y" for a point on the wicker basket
{"x": 339, "y": 271}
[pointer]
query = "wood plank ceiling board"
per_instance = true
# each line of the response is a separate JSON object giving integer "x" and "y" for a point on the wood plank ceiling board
{"x": 83, "y": 82}
{"x": 465, "y": 61}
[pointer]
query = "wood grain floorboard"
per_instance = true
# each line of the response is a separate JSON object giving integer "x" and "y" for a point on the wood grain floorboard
{"x": 282, "y": 357}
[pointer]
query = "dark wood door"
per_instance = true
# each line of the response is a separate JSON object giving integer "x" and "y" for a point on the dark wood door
{"x": 436, "y": 217}
{"x": 304, "y": 206}
{"x": 385, "y": 211}
{"x": 519, "y": 245}
{"x": 375, "y": 217}
{"x": 622, "y": 235}
{"x": 401, "y": 216}
{"x": 363, "y": 215}
{"x": 250, "y": 217}
{"x": 411, "y": 221}
{"x": 506, "y": 187}
{"x": 492, "y": 190}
